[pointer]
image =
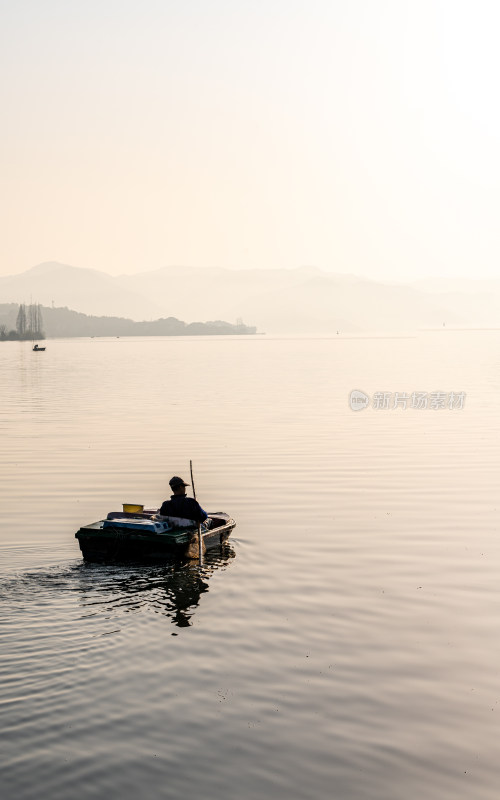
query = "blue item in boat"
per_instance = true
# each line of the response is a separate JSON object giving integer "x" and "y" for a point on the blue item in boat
{"x": 143, "y": 525}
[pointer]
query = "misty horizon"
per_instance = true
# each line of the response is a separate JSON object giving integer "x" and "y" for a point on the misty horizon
{"x": 303, "y": 300}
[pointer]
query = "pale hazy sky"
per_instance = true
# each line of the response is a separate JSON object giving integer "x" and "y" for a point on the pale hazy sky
{"x": 358, "y": 136}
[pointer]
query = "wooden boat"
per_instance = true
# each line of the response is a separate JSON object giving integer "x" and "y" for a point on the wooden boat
{"x": 134, "y": 536}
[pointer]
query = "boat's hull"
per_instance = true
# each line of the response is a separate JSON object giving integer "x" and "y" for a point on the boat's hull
{"x": 113, "y": 543}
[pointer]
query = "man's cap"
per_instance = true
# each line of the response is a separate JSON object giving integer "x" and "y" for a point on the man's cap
{"x": 176, "y": 481}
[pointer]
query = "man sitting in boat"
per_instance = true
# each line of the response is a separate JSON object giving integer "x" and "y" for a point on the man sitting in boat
{"x": 180, "y": 505}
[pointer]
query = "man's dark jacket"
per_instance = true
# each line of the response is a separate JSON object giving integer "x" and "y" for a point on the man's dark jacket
{"x": 182, "y": 506}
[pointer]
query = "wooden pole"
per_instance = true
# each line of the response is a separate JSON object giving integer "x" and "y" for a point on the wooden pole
{"x": 200, "y": 543}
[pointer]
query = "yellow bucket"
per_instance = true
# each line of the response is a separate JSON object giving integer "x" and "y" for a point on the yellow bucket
{"x": 132, "y": 508}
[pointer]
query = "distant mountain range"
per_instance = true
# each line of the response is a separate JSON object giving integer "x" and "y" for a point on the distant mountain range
{"x": 304, "y": 300}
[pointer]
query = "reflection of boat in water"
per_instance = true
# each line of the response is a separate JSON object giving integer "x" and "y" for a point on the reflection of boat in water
{"x": 171, "y": 589}
{"x": 140, "y": 534}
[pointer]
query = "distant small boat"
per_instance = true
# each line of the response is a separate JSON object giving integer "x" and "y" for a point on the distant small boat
{"x": 37, "y": 349}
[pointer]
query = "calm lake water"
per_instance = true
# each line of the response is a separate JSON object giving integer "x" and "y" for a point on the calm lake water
{"x": 346, "y": 643}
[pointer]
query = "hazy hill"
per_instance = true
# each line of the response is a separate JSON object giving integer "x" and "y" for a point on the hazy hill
{"x": 63, "y": 322}
{"x": 323, "y": 304}
{"x": 85, "y": 290}
{"x": 302, "y": 300}
{"x": 477, "y": 301}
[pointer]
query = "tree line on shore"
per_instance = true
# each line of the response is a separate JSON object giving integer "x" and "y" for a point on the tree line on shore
{"x": 29, "y": 324}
